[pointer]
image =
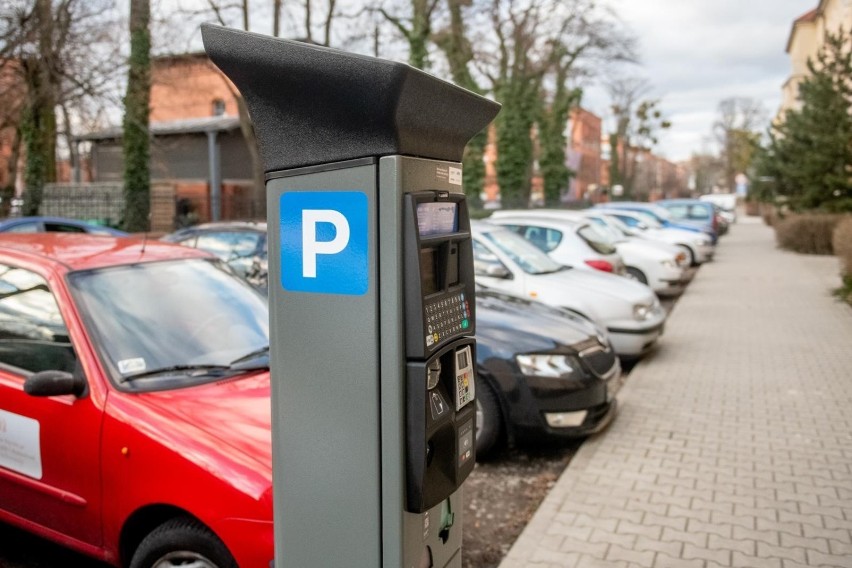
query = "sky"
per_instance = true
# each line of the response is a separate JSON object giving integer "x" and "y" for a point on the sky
{"x": 696, "y": 53}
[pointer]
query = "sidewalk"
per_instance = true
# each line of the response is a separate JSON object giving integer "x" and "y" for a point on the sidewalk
{"x": 733, "y": 445}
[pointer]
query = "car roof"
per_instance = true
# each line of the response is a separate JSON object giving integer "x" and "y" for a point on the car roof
{"x": 230, "y": 225}
{"x": 684, "y": 200}
{"x": 553, "y": 219}
{"x": 479, "y": 227}
{"x": 80, "y": 251}
{"x": 15, "y": 221}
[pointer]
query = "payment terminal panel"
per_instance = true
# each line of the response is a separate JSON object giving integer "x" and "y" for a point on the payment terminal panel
{"x": 440, "y": 349}
{"x": 440, "y": 427}
{"x": 439, "y": 286}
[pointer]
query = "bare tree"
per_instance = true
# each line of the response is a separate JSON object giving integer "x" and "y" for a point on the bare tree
{"x": 737, "y": 131}
{"x": 414, "y": 20}
{"x": 222, "y": 12}
{"x": 530, "y": 49}
{"x": 62, "y": 53}
{"x": 637, "y": 122}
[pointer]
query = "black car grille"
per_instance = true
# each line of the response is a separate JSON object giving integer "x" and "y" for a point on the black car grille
{"x": 600, "y": 361}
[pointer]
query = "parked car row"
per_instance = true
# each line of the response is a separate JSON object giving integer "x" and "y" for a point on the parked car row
{"x": 131, "y": 401}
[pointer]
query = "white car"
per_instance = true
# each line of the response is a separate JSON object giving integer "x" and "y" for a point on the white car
{"x": 727, "y": 203}
{"x": 661, "y": 267}
{"x": 697, "y": 245}
{"x": 575, "y": 242}
{"x": 629, "y": 311}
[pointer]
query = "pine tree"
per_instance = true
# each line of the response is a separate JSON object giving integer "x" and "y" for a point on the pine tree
{"x": 811, "y": 151}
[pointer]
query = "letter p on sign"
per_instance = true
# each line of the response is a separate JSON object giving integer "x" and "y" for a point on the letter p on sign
{"x": 324, "y": 242}
{"x": 311, "y": 247}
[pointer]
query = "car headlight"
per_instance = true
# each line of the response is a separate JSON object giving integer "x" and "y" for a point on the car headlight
{"x": 642, "y": 312}
{"x": 701, "y": 242}
{"x": 547, "y": 365}
{"x": 667, "y": 263}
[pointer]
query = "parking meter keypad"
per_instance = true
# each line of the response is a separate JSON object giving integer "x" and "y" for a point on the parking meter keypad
{"x": 446, "y": 316}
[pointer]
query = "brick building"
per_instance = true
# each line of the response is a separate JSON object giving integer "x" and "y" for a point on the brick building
{"x": 197, "y": 146}
{"x": 12, "y": 93}
{"x": 582, "y": 156}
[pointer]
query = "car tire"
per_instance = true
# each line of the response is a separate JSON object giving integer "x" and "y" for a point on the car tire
{"x": 489, "y": 422}
{"x": 636, "y": 274}
{"x": 690, "y": 255}
{"x": 179, "y": 542}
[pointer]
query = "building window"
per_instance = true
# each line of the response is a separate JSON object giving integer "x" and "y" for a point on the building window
{"x": 218, "y": 107}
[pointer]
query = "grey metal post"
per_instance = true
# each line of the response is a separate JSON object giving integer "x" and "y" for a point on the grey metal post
{"x": 215, "y": 169}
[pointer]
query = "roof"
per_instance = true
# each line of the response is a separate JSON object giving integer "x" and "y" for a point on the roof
{"x": 79, "y": 251}
{"x": 805, "y": 18}
{"x": 172, "y": 127}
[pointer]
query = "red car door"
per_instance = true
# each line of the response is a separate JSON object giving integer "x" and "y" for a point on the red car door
{"x": 49, "y": 446}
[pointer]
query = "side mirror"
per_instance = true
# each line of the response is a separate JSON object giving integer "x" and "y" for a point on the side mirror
{"x": 493, "y": 270}
{"x": 54, "y": 383}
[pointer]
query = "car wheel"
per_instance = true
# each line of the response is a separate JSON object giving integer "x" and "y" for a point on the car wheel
{"x": 182, "y": 542}
{"x": 690, "y": 256}
{"x": 636, "y": 274}
{"x": 488, "y": 421}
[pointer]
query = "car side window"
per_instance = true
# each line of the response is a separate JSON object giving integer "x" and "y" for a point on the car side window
{"x": 63, "y": 228}
{"x": 542, "y": 237}
{"x": 486, "y": 262}
{"x": 699, "y": 212}
{"x": 678, "y": 211}
{"x": 229, "y": 245}
{"x": 24, "y": 228}
{"x": 33, "y": 335}
{"x": 629, "y": 221}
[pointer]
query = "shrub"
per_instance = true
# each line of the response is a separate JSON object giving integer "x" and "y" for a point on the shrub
{"x": 842, "y": 242}
{"x": 808, "y": 233}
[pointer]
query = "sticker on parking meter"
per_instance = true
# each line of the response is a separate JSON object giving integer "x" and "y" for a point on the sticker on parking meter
{"x": 324, "y": 242}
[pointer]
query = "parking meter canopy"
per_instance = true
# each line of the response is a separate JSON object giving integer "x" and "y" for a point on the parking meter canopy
{"x": 313, "y": 105}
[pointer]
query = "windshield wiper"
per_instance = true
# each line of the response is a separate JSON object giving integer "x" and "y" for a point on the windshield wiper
{"x": 257, "y": 359}
{"x": 208, "y": 370}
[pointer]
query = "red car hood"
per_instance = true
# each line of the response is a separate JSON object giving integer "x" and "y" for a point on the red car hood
{"x": 230, "y": 418}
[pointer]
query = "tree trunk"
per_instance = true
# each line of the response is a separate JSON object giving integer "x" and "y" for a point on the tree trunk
{"x": 456, "y": 46}
{"x": 258, "y": 192}
{"x": 38, "y": 130}
{"x": 137, "y": 175}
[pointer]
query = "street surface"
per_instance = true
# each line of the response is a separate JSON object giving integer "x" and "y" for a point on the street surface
{"x": 733, "y": 444}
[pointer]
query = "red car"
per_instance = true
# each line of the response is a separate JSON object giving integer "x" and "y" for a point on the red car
{"x": 134, "y": 402}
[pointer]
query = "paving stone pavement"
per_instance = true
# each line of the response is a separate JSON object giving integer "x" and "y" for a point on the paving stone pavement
{"x": 733, "y": 444}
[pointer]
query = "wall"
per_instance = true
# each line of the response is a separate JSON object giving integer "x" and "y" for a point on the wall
{"x": 186, "y": 86}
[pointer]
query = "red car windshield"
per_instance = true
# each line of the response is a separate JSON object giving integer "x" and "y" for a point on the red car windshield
{"x": 173, "y": 323}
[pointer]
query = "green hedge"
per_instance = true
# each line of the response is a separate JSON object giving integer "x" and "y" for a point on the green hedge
{"x": 842, "y": 242}
{"x": 808, "y": 233}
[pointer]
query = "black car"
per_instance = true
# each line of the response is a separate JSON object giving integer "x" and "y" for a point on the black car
{"x": 541, "y": 373}
{"x": 242, "y": 244}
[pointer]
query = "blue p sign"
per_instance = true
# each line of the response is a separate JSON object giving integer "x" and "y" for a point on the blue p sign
{"x": 324, "y": 242}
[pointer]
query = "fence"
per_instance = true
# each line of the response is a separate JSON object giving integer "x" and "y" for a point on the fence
{"x": 172, "y": 205}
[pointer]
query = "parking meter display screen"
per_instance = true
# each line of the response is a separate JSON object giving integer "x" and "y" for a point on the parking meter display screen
{"x": 428, "y": 277}
{"x": 437, "y": 218}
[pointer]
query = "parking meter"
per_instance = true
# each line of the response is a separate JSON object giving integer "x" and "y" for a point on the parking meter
{"x": 371, "y": 298}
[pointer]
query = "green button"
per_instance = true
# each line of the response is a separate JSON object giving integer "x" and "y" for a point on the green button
{"x": 465, "y": 324}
